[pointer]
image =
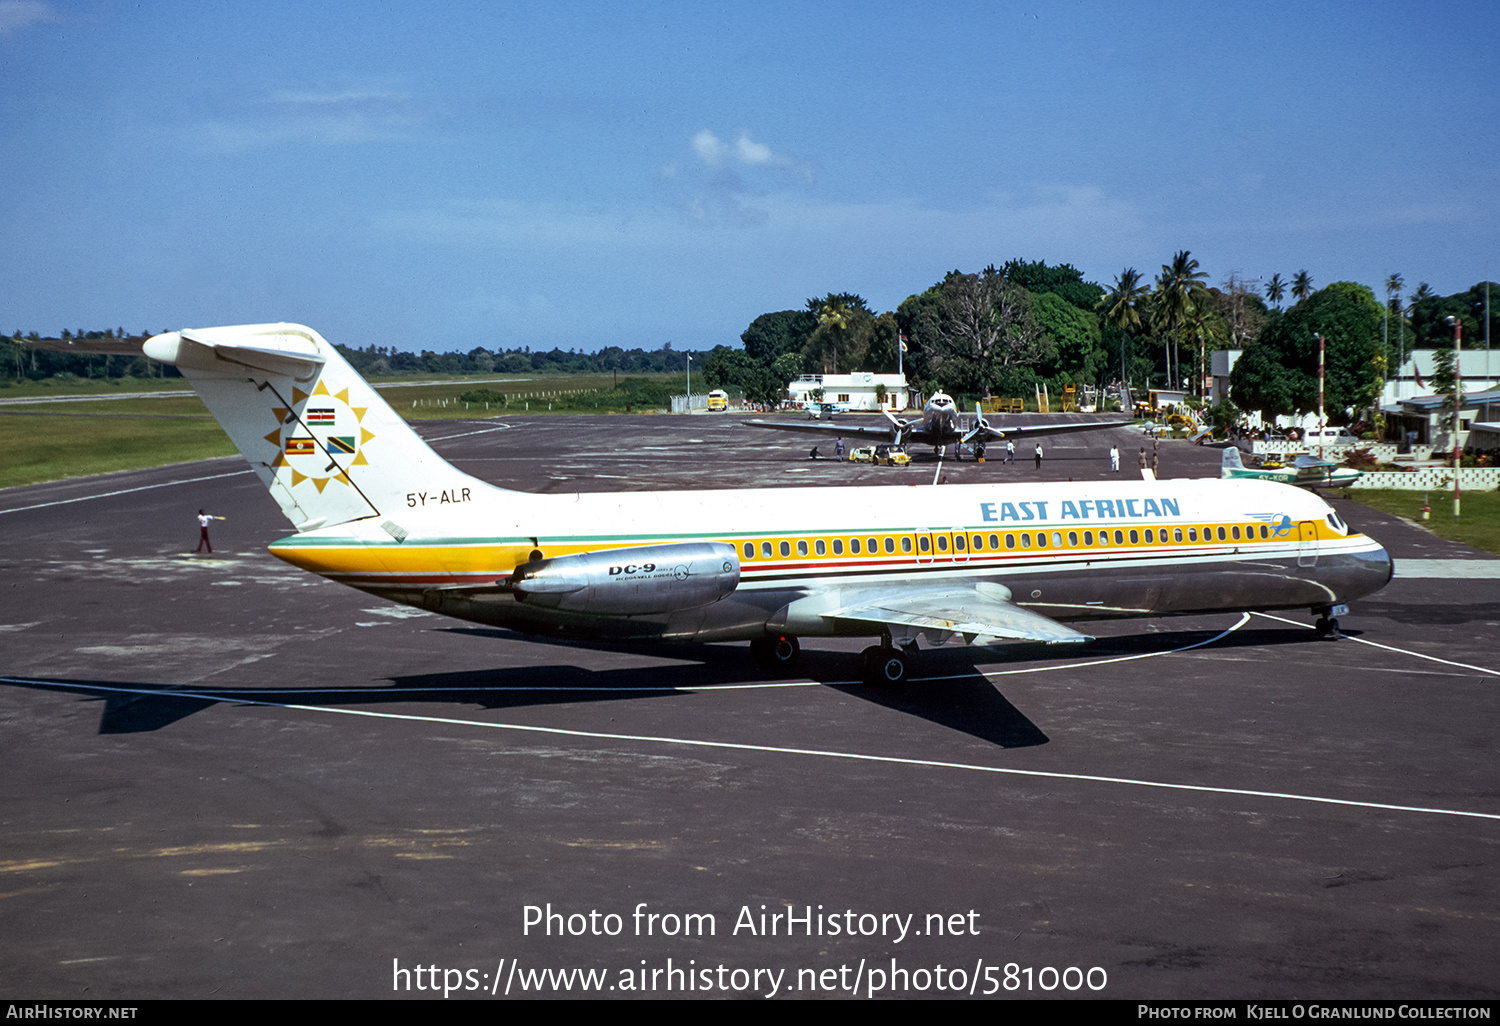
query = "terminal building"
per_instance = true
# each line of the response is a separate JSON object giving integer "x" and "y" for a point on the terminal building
{"x": 862, "y": 390}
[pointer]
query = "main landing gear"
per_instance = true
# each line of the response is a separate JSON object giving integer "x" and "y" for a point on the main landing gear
{"x": 1327, "y": 624}
{"x": 778, "y": 652}
{"x": 884, "y": 664}
{"x": 1327, "y": 627}
{"x": 880, "y": 664}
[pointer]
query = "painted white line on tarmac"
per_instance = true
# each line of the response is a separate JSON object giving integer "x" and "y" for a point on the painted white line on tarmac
{"x": 127, "y": 491}
{"x": 1390, "y": 648}
{"x": 772, "y": 749}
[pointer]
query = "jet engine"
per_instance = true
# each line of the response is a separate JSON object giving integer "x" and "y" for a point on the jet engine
{"x": 644, "y": 579}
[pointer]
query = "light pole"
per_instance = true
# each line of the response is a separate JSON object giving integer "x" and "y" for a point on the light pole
{"x": 689, "y": 407}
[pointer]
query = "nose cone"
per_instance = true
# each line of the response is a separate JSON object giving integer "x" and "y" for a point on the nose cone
{"x": 1373, "y": 569}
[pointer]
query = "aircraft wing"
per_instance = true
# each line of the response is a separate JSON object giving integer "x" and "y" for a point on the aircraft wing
{"x": 883, "y": 433}
{"x": 982, "y": 613}
{"x": 1027, "y": 430}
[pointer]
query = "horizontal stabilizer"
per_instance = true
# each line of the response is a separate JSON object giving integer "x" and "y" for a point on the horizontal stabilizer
{"x": 272, "y": 348}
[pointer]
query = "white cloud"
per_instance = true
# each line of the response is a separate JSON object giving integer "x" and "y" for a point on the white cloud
{"x": 17, "y": 14}
{"x": 331, "y": 118}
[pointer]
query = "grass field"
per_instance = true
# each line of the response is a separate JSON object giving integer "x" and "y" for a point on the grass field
{"x": 45, "y": 441}
{"x": 1478, "y": 526}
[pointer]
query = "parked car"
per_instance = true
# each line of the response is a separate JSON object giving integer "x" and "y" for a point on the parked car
{"x": 892, "y": 455}
{"x": 1328, "y": 436}
{"x": 864, "y": 454}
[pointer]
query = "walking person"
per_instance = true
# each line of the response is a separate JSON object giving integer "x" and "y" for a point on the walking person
{"x": 203, "y": 521}
{"x": 1010, "y": 451}
{"x": 1143, "y": 457}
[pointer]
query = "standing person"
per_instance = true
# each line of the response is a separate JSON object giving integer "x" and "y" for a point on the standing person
{"x": 203, "y": 520}
{"x": 1114, "y": 458}
{"x": 1039, "y": 455}
{"x": 1010, "y": 451}
{"x": 1155, "y": 459}
{"x": 1143, "y": 457}
{"x": 838, "y": 450}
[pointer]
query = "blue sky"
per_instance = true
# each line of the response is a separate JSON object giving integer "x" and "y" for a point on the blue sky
{"x": 445, "y": 175}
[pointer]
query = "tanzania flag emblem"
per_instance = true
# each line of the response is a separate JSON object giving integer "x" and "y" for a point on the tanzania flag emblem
{"x": 301, "y": 447}
{"x": 340, "y": 443}
{"x": 322, "y": 416}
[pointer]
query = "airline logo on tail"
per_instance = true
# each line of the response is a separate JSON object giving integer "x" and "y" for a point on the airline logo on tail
{"x": 316, "y": 442}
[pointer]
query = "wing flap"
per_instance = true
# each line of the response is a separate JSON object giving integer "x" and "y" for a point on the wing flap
{"x": 981, "y": 618}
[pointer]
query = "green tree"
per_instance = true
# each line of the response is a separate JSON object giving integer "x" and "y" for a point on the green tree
{"x": 1063, "y": 280}
{"x": 1179, "y": 292}
{"x": 1301, "y": 286}
{"x": 773, "y": 335}
{"x": 1276, "y": 290}
{"x": 1279, "y": 373}
{"x": 1121, "y": 308}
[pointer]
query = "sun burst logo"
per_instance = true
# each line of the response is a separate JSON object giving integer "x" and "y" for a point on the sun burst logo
{"x": 320, "y": 437}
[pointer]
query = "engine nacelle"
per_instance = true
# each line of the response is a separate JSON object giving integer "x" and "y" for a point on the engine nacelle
{"x": 646, "y": 579}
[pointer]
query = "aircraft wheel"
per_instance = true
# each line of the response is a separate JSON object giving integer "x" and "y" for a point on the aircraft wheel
{"x": 1323, "y": 626}
{"x": 777, "y": 652}
{"x": 884, "y": 665}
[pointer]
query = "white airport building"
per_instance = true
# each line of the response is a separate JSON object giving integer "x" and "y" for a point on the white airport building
{"x": 856, "y": 391}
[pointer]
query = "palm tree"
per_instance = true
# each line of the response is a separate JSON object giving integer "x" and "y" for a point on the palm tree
{"x": 1393, "y": 286}
{"x": 835, "y": 317}
{"x": 1276, "y": 290}
{"x": 1179, "y": 290}
{"x": 1301, "y": 286}
{"x": 1121, "y": 307}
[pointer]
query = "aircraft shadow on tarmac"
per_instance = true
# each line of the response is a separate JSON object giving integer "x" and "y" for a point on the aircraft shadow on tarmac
{"x": 949, "y": 690}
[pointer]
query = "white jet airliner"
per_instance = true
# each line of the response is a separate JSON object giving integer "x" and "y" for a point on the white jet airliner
{"x": 375, "y": 508}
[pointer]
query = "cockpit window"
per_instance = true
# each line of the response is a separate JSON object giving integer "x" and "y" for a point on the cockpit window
{"x": 1337, "y": 524}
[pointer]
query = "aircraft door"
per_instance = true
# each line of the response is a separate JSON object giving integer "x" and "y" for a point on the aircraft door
{"x": 1307, "y": 543}
{"x": 925, "y": 546}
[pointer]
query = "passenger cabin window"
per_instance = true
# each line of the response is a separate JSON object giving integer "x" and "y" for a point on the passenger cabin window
{"x": 1025, "y": 541}
{"x": 958, "y": 543}
{"x": 922, "y": 543}
{"x": 1010, "y": 541}
{"x": 942, "y": 543}
{"x": 890, "y": 544}
{"x": 905, "y": 542}
{"x": 786, "y": 549}
{"x": 838, "y": 546}
{"x": 802, "y": 548}
{"x": 819, "y": 547}
{"x": 995, "y": 542}
{"x": 854, "y": 546}
{"x": 749, "y": 550}
{"x": 765, "y": 549}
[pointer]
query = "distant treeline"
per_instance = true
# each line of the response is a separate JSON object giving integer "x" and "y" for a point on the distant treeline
{"x": 32, "y": 356}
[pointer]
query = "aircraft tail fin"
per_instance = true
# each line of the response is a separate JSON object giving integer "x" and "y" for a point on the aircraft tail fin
{"x": 323, "y": 441}
{"x": 1231, "y": 459}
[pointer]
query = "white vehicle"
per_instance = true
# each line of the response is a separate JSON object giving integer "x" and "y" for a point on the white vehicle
{"x": 375, "y": 508}
{"x": 1328, "y": 436}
